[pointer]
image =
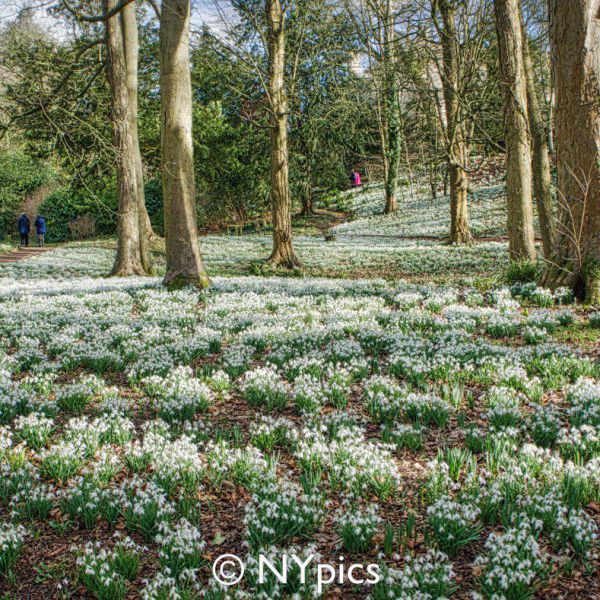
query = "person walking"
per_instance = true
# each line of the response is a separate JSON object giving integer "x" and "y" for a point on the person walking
{"x": 23, "y": 225}
{"x": 40, "y": 228}
{"x": 355, "y": 179}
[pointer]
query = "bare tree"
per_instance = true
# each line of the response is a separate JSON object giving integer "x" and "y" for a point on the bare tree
{"x": 131, "y": 42}
{"x": 283, "y": 254}
{"x": 132, "y": 252}
{"x": 575, "y": 41}
{"x": 254, "y": 36}
{"x": 122, "y": 44}
{"x": 542, "y": 180}
{"x": 184, "y": 265}
{"x": 454, "y": 121}
{"x": 518, "y": 149}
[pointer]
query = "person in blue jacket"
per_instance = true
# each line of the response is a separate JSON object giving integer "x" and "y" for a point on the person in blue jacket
{"x": 40, "y": 228}
{"x": 23, "y": 225}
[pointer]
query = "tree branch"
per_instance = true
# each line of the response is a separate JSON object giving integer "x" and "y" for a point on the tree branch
{"x": 96, "y": 18}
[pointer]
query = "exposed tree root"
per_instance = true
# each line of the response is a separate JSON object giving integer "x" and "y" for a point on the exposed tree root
{"x": 283, "y": 259}
{"x": 176, "y": 280}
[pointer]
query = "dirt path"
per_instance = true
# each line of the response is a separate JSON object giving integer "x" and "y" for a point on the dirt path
{"x": 21, "y": 254}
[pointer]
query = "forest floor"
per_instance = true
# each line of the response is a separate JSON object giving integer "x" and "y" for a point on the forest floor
{"x": 449, "y": 434}
{"x": 350, "y": 238}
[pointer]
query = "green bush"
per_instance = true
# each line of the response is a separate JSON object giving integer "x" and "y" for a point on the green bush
{"x": 64, "y": 205}
{"x": 523, "y": 271}
{"x": 20, "y": 175}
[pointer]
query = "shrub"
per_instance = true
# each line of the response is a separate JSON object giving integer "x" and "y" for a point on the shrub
{"x": 20, "y": 175}
{"x": 523, "y": 271}
{"x": 65, "y": 205}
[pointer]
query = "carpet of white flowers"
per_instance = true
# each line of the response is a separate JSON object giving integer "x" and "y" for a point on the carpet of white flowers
{"x": 423, "y": 216}
{"x": 346, "y": 256}
{"x": 440, "y": 433}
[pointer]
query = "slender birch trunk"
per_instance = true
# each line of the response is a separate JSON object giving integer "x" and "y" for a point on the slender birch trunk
{"x": 184, "y": 264}
{"x": 518, "y": 150}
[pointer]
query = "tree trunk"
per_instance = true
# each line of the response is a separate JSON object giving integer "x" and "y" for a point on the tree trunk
{"x": 459, "y": 214}
{"x": 184, "y": 265}
{"x": 307, "y": 187}
{"x": 131, "y": 48}
{"x": 433, "y": 181}
{"x": 283, "y": 254}
{"x": 518, "y": 150}
{"x": 129, "y": 259}
{"x": 456, "y": 148}
{"x": 542, "y": 181}
{"x": 575, "y": 41}
{"x": 307, "y": 205}
{"x": 392, "y": 110}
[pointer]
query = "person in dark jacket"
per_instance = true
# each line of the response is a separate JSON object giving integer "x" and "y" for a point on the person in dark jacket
{"x": 24, "y": 225}
{"x": 40, "y": 228}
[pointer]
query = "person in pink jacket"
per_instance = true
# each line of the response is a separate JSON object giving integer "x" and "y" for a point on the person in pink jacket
{"x": 355, "y": 179}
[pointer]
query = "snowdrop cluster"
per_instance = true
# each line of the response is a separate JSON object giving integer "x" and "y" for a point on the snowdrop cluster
{"x": 264, "y": 387}
{"x": 278, "y": 513}
{"x": 105, "y": 571}
{"x": 34, "y": 429}
{"x": 12, "y": 538}
{"x": 454, "y": 524}
{"x": 584, "y": 400}
{"x": 180, "y": 547}
{"x": 145, "y": 506}
{"x": 357, "y": 527}
{"x": 271, "y": 587}
{"x": 579, "y": 443}
{"x": 514, "y": 563}
{"x": 422, "y": 578}
{"x": 178, "y": 396}
{"x": 245, "y": 466}
{"x": 504, "y": 407}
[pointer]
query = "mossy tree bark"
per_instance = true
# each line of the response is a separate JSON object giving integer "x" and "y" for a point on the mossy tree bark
{"x": 184, "y": 264}
{"x": 283, "y": 254}
{"x": 516, "y": 127}
{"x": 575, "y": 41}
{"x": 542, "y": 180}
{"x": 456, "y": 147}
{"x": 130, "y": 259}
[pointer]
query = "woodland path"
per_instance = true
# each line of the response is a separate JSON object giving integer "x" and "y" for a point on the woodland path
{"x": 22, "y": 254}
